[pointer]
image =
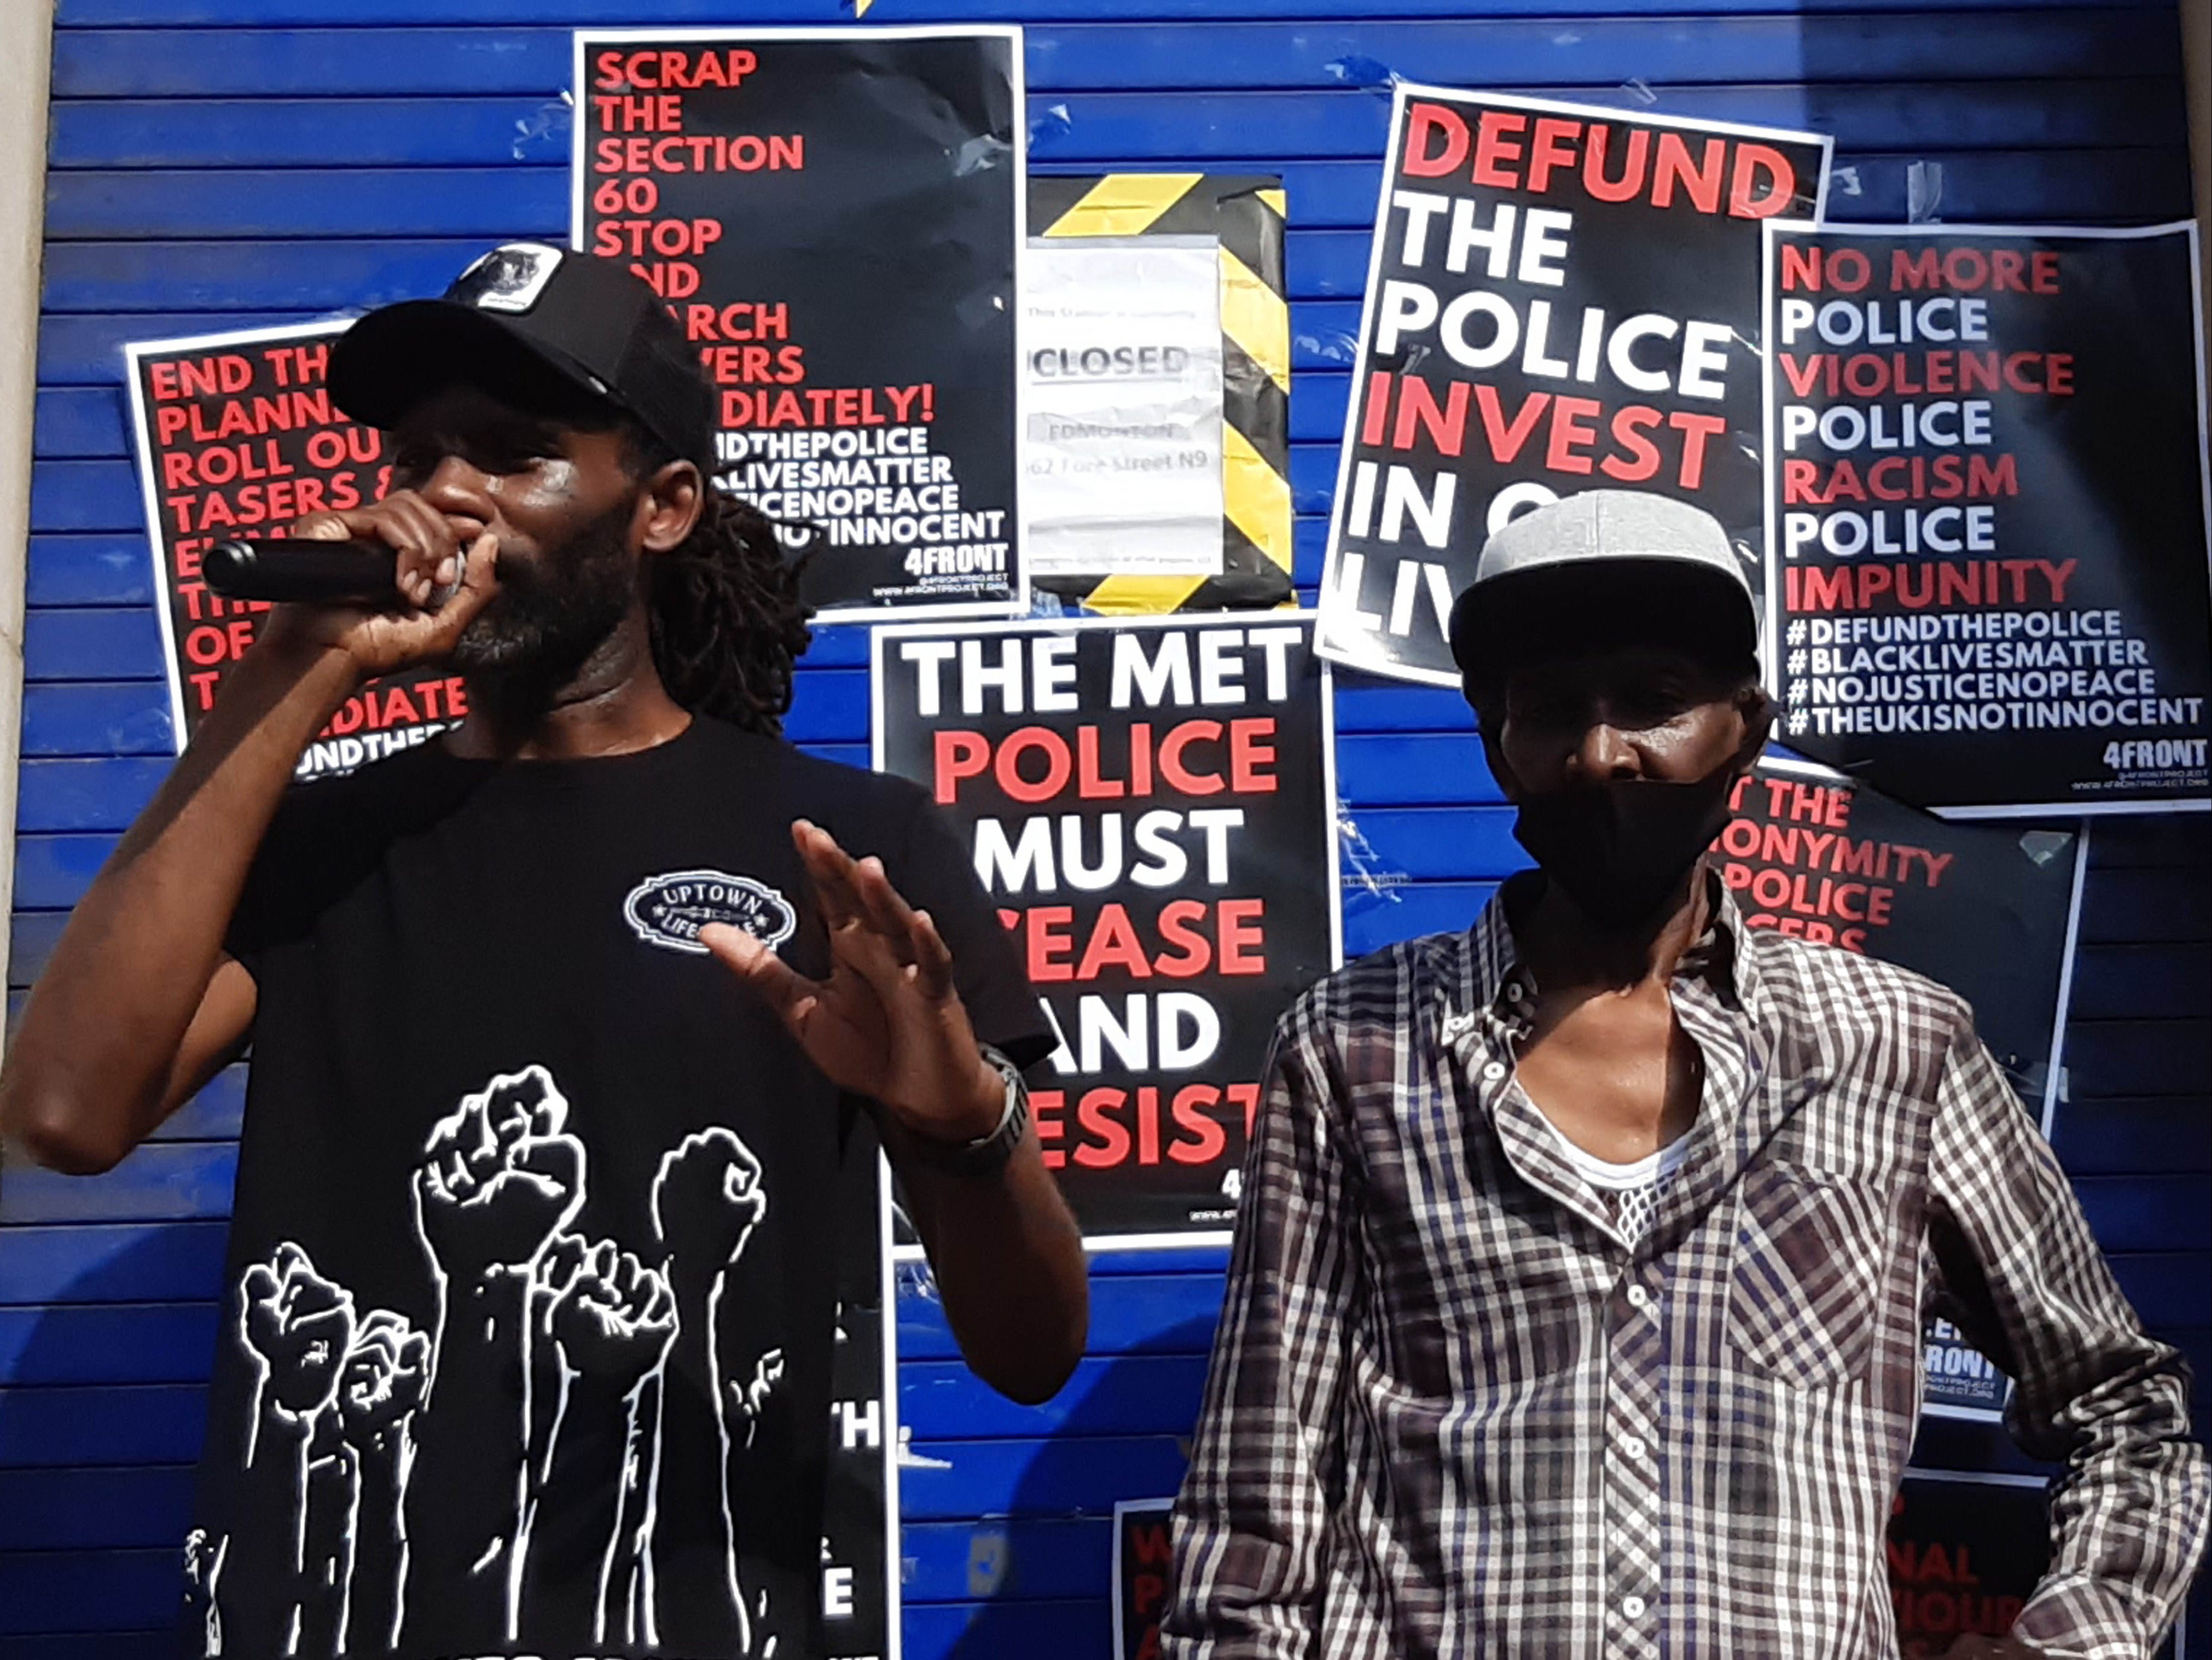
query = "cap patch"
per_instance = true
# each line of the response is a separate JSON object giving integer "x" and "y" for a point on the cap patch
{"x": 509, "y": 278}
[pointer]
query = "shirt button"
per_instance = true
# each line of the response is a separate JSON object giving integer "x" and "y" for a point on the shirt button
{"x": 1638, "y": 1298}
{"x": 1632, "y": 1445}
{"x": 1493, "y": 1072}
{"x": 1632, "y": 1606}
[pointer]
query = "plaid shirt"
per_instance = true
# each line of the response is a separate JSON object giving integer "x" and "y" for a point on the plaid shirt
{"x": 1452, "y": 1412}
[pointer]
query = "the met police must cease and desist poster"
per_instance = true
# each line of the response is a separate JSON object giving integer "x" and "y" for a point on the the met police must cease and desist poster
{"x": 1987, "y": 493}
{"x": 1559, "y": 298}
{"x": 835, "y": 216}
{"x": 1152, "y": 806}
{"x": 237, "y": 437}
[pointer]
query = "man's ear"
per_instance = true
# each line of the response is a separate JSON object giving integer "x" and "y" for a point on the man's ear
{"x": 669, "y": 504}
{"x": 1756, "y": 710}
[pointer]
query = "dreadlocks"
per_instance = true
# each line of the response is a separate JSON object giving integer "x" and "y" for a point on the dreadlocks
{"x": 727, "y": 622}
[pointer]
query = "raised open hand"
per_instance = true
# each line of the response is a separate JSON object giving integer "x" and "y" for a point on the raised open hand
{"x": 300, "y": 1324}
{"x": 498, "y": 1178}
{"x": 387, "y": 1374}
{"x": 614, "y": 1317}
{"x": 887, "y": 1023}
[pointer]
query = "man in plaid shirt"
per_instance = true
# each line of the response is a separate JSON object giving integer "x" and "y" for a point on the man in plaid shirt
{"x": 1576, "y": 1302}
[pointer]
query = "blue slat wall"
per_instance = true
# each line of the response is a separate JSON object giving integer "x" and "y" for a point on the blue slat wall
{"x": 259, "y": 160}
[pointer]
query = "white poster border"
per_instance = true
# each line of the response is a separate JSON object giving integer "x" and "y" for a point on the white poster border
{"x": 1019, "y": 604}
{"x": 1774, "y": 231}
{"x": 1403, "y": 92}
{"x": 1101, "y": 1243}
{"x": 135, "y": 352}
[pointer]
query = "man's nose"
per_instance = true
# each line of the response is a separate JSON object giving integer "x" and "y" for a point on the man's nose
{"x": 1604, "y": 754}
{"x": 457, "y": 490}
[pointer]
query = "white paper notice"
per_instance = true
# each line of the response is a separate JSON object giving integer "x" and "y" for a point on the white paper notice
{"x": 1121, "y": 458}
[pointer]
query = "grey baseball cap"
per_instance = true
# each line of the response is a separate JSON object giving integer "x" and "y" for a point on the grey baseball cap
{"x": 1626, "y": 554}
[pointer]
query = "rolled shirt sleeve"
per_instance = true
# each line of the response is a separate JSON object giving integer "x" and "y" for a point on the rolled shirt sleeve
{"x": 2028, "y": 1282}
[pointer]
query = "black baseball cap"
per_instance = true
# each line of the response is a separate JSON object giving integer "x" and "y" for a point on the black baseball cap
{"x": 531, "y": 323}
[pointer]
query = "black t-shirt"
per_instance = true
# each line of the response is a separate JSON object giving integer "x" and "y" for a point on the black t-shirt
{"x": 532, "y": 1273}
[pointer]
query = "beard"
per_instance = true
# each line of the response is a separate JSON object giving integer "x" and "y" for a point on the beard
{"x": 552, "y": 612}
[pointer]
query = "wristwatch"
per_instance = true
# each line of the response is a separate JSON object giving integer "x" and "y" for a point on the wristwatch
{"x": 987, "y": 1155}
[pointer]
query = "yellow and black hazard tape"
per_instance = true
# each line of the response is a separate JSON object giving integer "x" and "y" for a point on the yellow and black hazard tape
{"x": 1246, "y": 213}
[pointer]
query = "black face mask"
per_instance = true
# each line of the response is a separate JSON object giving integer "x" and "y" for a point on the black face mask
{"x": 1620, "y": 848}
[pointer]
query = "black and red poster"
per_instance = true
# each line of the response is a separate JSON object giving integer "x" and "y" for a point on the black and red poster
{"x": 834, "y": 216}
{"x": 1559, "y": 298}
{"x": 1153, "y": 805}
{"x": 237, "y": 437}
{"x": 1987, "y": 909}
{"x": 1142, "y": 1559}
{"x": 1987, "y": 514}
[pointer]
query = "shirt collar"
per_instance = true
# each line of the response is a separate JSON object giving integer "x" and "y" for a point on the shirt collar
{"x": 1723, "y": 956}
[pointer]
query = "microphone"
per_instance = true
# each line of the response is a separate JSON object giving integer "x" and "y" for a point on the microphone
{"x": 299, "y": 567}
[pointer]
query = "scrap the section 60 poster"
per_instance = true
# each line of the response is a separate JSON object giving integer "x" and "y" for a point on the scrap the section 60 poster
{"x": 237, "y": 437}
{"x": 1559, "y": 298}
{"x": 835, "y": 216}
{"x": 1988, "y": 501}
{"x": 1152, "y": 806}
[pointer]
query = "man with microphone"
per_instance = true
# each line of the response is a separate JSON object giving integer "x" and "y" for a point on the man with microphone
{"x": 567, "y": 1032}
{"x": 1576, "y": 1299}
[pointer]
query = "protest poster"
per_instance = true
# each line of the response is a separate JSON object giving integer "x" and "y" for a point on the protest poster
{"x": 860, "y": 1504}
{"x": 1156, "y": 448}
{"x": 1965, "y": 1550}
{"x": 1989, "y": 911}
{"x": 1559, "y": 298}
{"x": 1152, "y": 804}
{"x": 1987, "y": 508}
{"x": 835, "y": 216}
{"x": 237, "y": 437}
{"x": 1141, "y": 1560}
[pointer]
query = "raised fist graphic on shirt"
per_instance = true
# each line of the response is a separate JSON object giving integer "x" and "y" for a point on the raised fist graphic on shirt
{"x": 301, "y": 1325}
{"x": 612, "y": 1317}
{"x": 387, "y": 1374}
{"x": 498, "y": 1178}
{"x": 387, "y": 1378}
{"x": 707, "y": 1200}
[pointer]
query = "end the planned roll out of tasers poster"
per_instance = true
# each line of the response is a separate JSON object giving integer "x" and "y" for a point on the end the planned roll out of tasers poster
{"x": 834, "y": 216}
{"x": 237, "y": 437}
{"x": 1559, "y": 298}
{"x": 1152, "y": 804}
{"x": 1987, "y": 508}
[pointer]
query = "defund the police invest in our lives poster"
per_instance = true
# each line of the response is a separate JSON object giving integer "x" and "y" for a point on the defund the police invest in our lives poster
{"x": 835, "y": 216}
{"x": 1988, "y": 495}
{"x": 1559, "y": 298}
{"x": 237, "y": 437}
{"x": 1151, "y": 805}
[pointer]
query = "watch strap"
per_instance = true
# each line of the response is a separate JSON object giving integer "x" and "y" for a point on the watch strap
{"x": 987, "y": 1155}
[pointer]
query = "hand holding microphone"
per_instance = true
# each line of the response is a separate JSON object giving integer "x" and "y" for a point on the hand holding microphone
{"x": 391, "y": 584}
